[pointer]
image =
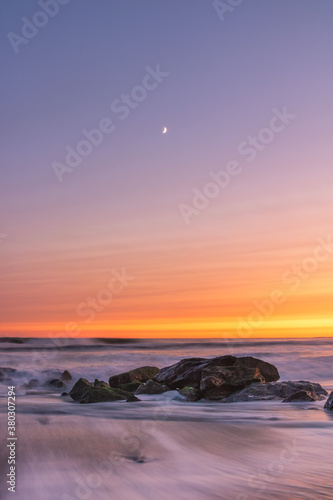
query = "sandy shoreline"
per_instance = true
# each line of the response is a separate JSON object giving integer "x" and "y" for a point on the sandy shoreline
{"x": 66, "y": 457}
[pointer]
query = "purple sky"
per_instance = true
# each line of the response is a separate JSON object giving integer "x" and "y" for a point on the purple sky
{"x": 120, "y": 206}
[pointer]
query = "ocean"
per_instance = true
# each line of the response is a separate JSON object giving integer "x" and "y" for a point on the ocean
{"x": 164, "y": 447}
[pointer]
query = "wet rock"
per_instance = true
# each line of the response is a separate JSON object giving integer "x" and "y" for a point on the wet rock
{"x": 287, "y": 388}
{"x": 86, "y": 392}
{"x": 301, "y": 396}
{"x": 101, "y": 383}
{"x": 56, "y": 383}
{"x": 267, "y": 370}
{"x": 219, "y": 382}
{"x": 99, "y": 395}
{"x": 329, "y": 403}
{"x": 132, "y": 399}
{"x": 64, "y": 394}
{"x": 187, "y": 372}
{"x": 65, "y": 376}
{"x": 138, "y": 375}
{"x": 151, "y": 387}
{"x": 191, "y": 393}
{"x": 276, "y": 390}
{"x": 131, "y": 387}
{"x": 32, "y": 384}
{"x": 79, "y": 388}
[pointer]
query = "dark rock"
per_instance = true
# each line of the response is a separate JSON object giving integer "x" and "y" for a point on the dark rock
{"x": 86, "y": 392}
{"x": 99, "y": 395}
{"x": 131, "y": 387}
{"x": 267, "y": 370}
{"x": 64, "y": 394}
{"x": 65, "y": 376}
{"x": 132, "y": 399}
{"x": 220, "y": 381}
{"x": 301, "y": 396}
{"x": 287, "y": 388}
{"x": 33, "y": 383}
{"x": 276, "y": 390}
{"x": 101, "y": 383}
{"x": 187, "y": 372}
{"x": 56, "y": 383}
{"x": 137, "y": 375}
{"x": 79, "y": 388}
{"x": 191, "y": 393}
{"x": 329, "y": 403}
{"x": 151, "y": 387}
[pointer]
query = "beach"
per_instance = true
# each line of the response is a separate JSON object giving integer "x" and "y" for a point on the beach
{"x": 164, "y": 447}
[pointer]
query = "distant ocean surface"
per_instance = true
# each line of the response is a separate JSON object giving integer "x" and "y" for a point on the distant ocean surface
{"x": 163, "y": 447}
{"x": 296, "y": 359}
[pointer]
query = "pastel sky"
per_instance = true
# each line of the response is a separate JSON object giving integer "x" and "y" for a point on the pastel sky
{"x": 226, "y": 268}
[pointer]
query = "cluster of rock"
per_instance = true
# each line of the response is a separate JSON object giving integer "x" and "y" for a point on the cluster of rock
{"x": 120, "y": 386}
{"x": 59, "y": 382}
{"x": 51, "y": 379}
{"x": 226, "y": 379}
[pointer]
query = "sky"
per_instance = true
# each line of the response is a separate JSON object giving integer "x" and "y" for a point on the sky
{"x": 220, "y": 227}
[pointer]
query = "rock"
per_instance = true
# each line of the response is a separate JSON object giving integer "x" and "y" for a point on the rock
{"x": 329, "y": 403}
{"x": 276, "y": 390}
{"x": 64, "y": 394}
{"x": 65, "y": 376}
{"x": 56, "y": 383}
{"x": 86, "y": 392}
{"x": 267, "y": 370}
{"x": 187, "y": 372}
{"x": 137, "y": 375}
{"x": 191, "y": 393}
{"x": 287, "y": 388}
{"x": 151, "y": 387}
{"x": 132, "y": 399}
{"x": 301, "y": 396}
{"x": 100, "y": 394}
{"x": 131, "y": 387}
{"x": 32, "y": 384}
{"x": 79, "y": 388}
{"x": 101, "y": 383}
{"x": 219, "y": 382}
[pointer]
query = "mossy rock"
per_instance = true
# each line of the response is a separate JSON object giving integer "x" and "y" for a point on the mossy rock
{"x": 79, "y": 387}
{"x": 100, "y": 395}
{"x": 86, "y": 392}
{"x": 131, "y": 387}
{"x": 101, "y": 383}
{"x": 151, "y": 387}
{"x": 191, "y": 393}
{"x": 138, "y": 375}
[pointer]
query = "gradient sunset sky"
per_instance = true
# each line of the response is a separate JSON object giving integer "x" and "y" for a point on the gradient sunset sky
{"x": 62, "y": 243}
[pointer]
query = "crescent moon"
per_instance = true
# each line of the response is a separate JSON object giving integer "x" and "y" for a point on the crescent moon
{"x": 164, "y": 131}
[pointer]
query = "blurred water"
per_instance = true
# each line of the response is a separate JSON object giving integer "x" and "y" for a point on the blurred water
{"x": 163, "y": 447}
